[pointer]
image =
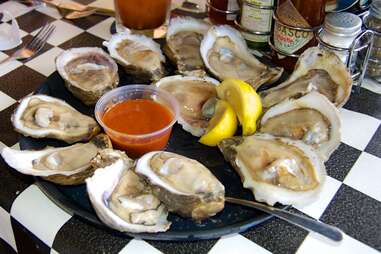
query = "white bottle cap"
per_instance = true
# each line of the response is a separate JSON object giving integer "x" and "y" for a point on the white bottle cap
{"x": 343, "y": 24}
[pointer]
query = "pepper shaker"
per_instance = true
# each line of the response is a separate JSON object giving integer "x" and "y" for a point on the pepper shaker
{"x": 373, "y": 23}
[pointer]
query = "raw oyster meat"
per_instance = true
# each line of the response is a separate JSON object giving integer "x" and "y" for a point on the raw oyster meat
{"x": 42, "y": 116}
{"x": 192, "y": 93}
{"x": 139, "y": 55}
{"x": 316, "y": 69}
{"x": 68, "y": 165}
{"x": 226, "y": 55}
{"x": 276, "y": 169}
{"x": 183, "y": 39}
{"x": 88, "y": 73}
{"x": 184, "y": 185}
{"x": 121, "y": 198}
{"x": 312, "y": 119}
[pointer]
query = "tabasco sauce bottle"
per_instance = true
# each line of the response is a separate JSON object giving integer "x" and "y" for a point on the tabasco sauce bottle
{"x": 293, "y": 29}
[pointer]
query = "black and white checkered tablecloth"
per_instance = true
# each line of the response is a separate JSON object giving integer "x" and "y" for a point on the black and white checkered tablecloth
{"x": 30, "y": 222}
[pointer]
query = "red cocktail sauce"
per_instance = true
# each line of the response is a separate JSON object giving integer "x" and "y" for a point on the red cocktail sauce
{"x": 138, "y": 117}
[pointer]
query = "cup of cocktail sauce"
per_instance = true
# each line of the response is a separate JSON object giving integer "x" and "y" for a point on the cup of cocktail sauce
{"x": 137, "y": 118}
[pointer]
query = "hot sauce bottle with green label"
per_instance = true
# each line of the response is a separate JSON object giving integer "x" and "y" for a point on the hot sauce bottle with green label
{"x": 256, "y": 15}
{"x": 305, "y": 14}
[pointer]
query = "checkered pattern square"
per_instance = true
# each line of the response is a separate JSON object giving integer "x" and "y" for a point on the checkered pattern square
{"x": 30, "y": 222}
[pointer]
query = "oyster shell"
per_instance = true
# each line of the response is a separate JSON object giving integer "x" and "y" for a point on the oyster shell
{"x": 312, "y": 119}
{"x": 276, "y": 169}
{"x": 186, "y": 186}
{"x": 68, "y": 165}
{"x": 139, "y": 55}
{"x": 316, "y": 69}
{"x": 121, "y": 198}
{"x": 192, "y": 93}
{"x": 226, "y": 55}
{"x": 88, "y": 73}
{"x": 42, "y": 116}
{"x": 183, "y": 39}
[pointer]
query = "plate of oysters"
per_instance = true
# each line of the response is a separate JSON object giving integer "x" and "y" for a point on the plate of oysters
{"x": 148, "y": 139}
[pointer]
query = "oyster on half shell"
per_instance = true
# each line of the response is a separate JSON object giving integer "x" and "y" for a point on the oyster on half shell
{"x": 68, "y": 165}
{"x": 276, "y": 169}
{"x": 138, "y": 54}
{"x": 192, "y": 93}
{"x": 42, "y": 116}
{"x": 183, "y": 39}
{"x": 184, "y": 185}
{"x": 88, "y": 73}
{"x": 316, "y": 69}
{"x": 312, "y": 119}
{"x": 226, "y": 55}
{"x": 121, "y": 198}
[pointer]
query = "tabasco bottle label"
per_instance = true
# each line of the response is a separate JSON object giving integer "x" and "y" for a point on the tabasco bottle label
{"x": 287, "y": 39}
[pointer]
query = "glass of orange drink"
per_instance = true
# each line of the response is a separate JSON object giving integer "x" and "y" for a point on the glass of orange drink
{"x": 141, "y": 16}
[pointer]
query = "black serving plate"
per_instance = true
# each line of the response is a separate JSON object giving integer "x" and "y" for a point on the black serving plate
{"x": 75, "y": 201}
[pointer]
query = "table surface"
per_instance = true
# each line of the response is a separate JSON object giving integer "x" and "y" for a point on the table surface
{"x": 31, "y": 223}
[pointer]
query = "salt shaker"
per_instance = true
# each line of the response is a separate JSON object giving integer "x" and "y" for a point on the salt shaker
{"x": 338, "y": 34}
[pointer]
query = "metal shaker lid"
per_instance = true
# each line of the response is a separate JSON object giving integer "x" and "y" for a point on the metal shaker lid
{"x": 375, "y": 9}
{"x": 343, "y": 23}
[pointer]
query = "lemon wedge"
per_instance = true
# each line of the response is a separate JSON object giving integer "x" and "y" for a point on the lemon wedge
{"x": 222, "y": 125}
{"x": 245, "y": 102}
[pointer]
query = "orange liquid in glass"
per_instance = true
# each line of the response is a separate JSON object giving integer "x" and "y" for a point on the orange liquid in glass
{"x": 138, "y": 117}
{"x": 216, "y": 14}
{"x": 142, "y": 14}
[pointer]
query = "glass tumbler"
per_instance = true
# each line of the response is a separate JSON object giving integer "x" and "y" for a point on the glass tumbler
{"x": 141, "y": 16}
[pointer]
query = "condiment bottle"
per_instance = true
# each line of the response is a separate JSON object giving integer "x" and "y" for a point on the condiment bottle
{"x": 373, "y": 22}
{"x": 223, "y": 11}
{"x": 363, "y": 4}
{"x": 360, "y": 8}
{"x": 340, "y": 30}
{"x": 294, "y": 27}
{"x": 255, "y": 22}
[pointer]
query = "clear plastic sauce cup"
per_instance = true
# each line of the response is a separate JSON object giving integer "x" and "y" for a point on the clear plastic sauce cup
{"x": 136, "y": 145}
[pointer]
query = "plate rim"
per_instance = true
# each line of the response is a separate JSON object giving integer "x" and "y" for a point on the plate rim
{"x": 208, "y": 234}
